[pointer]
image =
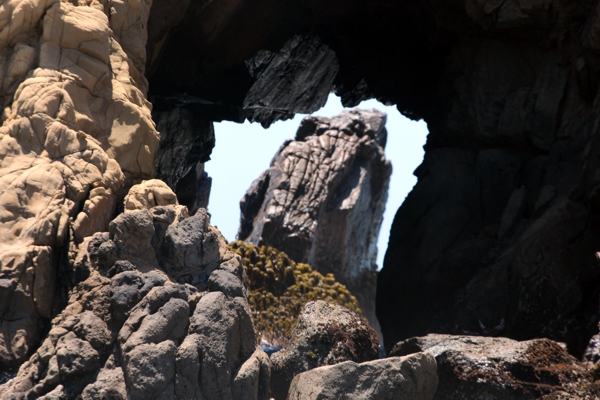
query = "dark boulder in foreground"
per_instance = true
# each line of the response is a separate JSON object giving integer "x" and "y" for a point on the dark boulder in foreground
{"x": 473, "y": 367}
{"x": 408, "y": 378}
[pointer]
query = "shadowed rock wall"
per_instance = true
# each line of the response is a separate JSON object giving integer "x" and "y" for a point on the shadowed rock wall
{"x": 499, "y": 235}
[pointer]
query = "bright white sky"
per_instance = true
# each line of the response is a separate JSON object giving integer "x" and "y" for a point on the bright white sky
{"x": 244, "y": 151}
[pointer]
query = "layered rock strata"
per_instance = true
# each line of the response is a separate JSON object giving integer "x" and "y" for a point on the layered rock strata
{"x": 476, "y": 367}
{"x": 76, "y": 132}
{"x": 323, "y": 197}
{"x": 162, "y": 314}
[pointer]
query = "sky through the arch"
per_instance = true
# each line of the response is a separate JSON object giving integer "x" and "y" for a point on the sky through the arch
{"x": 243, "y": 151}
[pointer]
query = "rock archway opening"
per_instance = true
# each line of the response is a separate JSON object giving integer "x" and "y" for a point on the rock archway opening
{"x": 243, "y": 151}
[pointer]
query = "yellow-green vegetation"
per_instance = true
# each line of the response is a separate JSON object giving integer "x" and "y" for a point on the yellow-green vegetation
{"x": 279, "y": 288}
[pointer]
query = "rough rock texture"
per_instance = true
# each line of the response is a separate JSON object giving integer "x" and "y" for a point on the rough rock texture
{"x": 408, "y": 378}
{"x": 186, "y": 141}
{"x": 319, "y": 46}
{"x": 163, "y": 314}
{"x": 76, "y": 130}
{"x": 325, "y": 334}
{"x": 322, "y": 199}
{"x": 471, "y": 367}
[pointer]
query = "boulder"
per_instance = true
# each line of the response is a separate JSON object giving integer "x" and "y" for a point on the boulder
{"x": 323, "y": 197}
{"x": 325, "y": 334}
{"x": 477, "y": 367}
{"x": 411, "y": 377}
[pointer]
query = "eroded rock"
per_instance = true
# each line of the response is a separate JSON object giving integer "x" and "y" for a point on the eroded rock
{"x": 325, "y": 334}
{"x": 75, "y": 132}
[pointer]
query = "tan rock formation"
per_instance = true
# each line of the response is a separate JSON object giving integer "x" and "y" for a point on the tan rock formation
{"x": 75, "y": 132}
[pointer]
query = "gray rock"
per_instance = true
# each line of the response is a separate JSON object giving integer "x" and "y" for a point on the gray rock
{"x": 138, "y": 333}
{"x": 190, "y": 248}
{"x": 407, "y": 378}
{"x": 226, "y": 282}
{"x": 322, "y": 199}
{"x": 499, "y": 368}
{"x": 75, "y": 356}
{"x": 325, "y": 334}
{"x": 149, "y": 368}
{"x": 110, "y": 384}
{"x": 93, "y": 330}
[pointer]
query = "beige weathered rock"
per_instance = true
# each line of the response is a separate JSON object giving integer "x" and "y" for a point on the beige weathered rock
{"x": 149, "y": 194}
{"x": 76, "y": 130}
{"x": 408, "y": 378}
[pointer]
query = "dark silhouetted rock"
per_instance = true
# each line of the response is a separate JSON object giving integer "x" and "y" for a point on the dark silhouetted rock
{"x": 325, "y": 334}
{"x": 186, "y": 141}
{"x": 499, "y": 235}
{"x": 474, "y": 367}
{"x": 408, "y": 378}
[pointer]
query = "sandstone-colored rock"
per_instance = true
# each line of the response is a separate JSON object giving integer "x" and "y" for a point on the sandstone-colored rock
{"x": 76, "y": 130}
{"x": 500, "y": 368}
{"x": 325, "y": 334}
{"x": 409, "y": 377}
{"x": 149, "y": 194}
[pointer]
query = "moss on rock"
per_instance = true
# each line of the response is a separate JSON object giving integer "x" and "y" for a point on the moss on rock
{"x": 279, "y": 289}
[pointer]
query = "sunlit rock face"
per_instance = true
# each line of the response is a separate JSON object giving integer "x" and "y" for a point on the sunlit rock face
{"x": 500, "y": 233}
{"x": 323, "y": 197}
{"x": 76, "y": 132}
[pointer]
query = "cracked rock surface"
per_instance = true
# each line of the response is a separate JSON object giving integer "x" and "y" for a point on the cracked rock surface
{"x": 76, "y": 132}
